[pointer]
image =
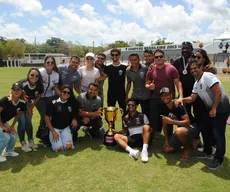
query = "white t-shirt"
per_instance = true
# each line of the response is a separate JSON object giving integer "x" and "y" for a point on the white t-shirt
{"x": 88, "y": 77}
{"x": 48, "y": 85}
{"x": 203, "y": 86}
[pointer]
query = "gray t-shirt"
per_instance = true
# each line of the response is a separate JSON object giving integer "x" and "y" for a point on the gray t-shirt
{"x": 68, "y": 78}
{"x": 88, "y": 104}
{"x": 138, "y": 79}
{"x": 101, "y": 83}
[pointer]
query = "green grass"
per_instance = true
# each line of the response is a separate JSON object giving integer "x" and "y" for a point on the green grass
{"x": 95, "y": 167}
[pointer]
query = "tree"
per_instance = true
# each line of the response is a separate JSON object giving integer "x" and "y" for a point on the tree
{"x": 3, "y": 53}
{"x": 15, "y": 48}
{"x": 161, "y": 41}
{"x": 140, "y": 43}
{"x": 30, "y": 48}
{"x": 45, "y": 48}
{"x": 59, "y": 45}
{"x": 118, "y": 44}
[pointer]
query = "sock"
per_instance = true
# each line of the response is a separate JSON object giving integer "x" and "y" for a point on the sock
{"x": 145, "y": 147}
{"x": 129, "y": 149}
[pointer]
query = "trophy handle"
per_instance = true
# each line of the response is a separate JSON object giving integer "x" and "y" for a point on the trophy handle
{"x": 121, "y": 111}
{"x": 101, "y": 109}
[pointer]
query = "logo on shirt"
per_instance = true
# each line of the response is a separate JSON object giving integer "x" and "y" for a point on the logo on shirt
{"x": 172, "y": 116}
{"x": 120, "y": 72}
{"x": 70, "y": 109}
{"x": 142, "y": 75}
{"x": 36, "y": 93}
{"x": 59, "y": 108}
{"x": 18, "y": 109}
{"x": 138, "y": 121}
{"x": 200, "y": 86}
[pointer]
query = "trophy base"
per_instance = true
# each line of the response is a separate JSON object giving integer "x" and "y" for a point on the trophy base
{"x": 109, "y": 140}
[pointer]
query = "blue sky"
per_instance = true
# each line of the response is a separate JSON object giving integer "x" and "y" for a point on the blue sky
{"x": 105, "y": 21}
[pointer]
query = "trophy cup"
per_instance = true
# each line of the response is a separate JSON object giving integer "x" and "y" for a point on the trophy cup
{"x": 110, "y": 114}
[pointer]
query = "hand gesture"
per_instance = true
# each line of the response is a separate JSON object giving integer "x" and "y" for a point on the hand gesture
{"x": 152, "y": 85}
{"x": 55, "y": 136}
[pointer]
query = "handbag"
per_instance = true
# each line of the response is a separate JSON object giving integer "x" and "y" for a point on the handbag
{"x": 43, "y": 133}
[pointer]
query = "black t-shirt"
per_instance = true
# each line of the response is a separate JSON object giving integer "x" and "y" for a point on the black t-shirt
{"x": 61, "y": 113}
{"x": 116, "y": 75}
{"x": 31, "y": 92}
{"x": 176, "y": 112}
{"x": 187, "y": 80}
{"x": 10, "y": 110}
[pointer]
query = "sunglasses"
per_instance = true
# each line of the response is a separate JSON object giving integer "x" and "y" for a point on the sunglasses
{"x": 66, "y": 92}
{"x": 160, "y": 56}
{"x": 49, "y": 62}
{"x": 114, "y": 55}
{"x": 131, "y": 105}
{"x": 198, "y": 57}
{"x": 33, "y": 75}
{"x": 89, "y": 58}
{"x": 101, "y": 58}
{"x": 16, "y": 89}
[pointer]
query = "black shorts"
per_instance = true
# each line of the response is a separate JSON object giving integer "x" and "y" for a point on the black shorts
{"x": 135, "y": 140}
{"x": 192, "y": 132}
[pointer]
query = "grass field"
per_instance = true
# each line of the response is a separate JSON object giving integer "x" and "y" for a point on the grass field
{"x": 91, "y": 166}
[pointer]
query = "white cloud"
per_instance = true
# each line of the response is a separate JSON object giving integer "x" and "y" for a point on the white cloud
{"x": 32, "y": 6}
{"x": 88, "y": 10}
{"x": 113, "y": 8}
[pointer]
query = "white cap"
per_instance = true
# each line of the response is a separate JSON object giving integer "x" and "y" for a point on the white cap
{"x": 90, "y": 54}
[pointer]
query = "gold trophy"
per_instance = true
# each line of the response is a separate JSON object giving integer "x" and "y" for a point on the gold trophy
{"x": 110, "y": 114}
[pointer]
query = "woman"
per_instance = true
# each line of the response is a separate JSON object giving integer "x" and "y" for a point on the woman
{"x": 33, "y": 88}
{"x": 89, "y": 74}
{"x": 60, "y": 115}
{"x": 11, "y": 106}
{"x": 202, "y": 57}
{"x": 50, "y": 79}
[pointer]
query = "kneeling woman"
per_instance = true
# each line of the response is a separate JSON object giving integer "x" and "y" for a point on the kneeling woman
{"x": 60, "y": 115}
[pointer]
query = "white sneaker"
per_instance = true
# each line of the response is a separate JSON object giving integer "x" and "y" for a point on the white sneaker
{"x": 25, "y": 148}
{"x": 32, "y": 145}
{"x": 11, "y": 154}
{"x": 135, "y": 154}
{"x": 2, "y": 159}
{"x": 144, "y": 157}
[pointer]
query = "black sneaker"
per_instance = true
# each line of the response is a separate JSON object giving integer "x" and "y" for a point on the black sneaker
{"x": 204, "y": 156}
{"x": 214, "y": 165}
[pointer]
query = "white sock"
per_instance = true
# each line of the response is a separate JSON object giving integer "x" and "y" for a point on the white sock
{"x": 129, "y": 149}
{"x": 145, "y": 147}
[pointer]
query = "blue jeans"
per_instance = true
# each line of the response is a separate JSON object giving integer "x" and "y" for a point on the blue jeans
{"x": 219, "y": 128}
{"x": 25, "y": 126}
{"x": 65, "y": 137}
{"x": 7, "y": 140}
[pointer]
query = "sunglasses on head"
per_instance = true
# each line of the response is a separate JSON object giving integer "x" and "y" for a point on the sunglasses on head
{"x": 131, "y": 105}
{"x": 160, "y": 56}
{"x": 49, "y": 62}
{"x": 33, "y": 75}
{"x": 89, "y": 58}
{"x": 66, "y": 92}
{"x": 114, "y": 55}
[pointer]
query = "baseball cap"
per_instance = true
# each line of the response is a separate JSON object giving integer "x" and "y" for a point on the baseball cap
{"x": 165, "y": 90}
{"x": 17, "y": 85}
{"x": 90, "y": 54}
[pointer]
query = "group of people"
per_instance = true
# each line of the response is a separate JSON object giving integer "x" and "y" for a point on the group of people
{"x": 153, "y": 84}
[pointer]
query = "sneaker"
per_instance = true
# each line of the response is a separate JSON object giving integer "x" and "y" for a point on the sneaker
{"x": 214, "y": 165}
{"x": 86, "y": 131}
{"x": 213, "y": 150}
{"x": 11, "y": 154}
{"x": 2, "y": 158}
{"x": 144, "y": 156}
{"x": 25, "y": 148}
{"x": 32, "y": 145}
{"x": 135, "y": 154}
{"x": 204, "y": 156}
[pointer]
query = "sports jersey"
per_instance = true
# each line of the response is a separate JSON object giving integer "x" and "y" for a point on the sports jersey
{"x": 116, "y": 78}
{"x": 88, "y": 104}
{"x": 61, "y": 113}
{"x": 10, "y": 109}
{"x": 136, "y": 123}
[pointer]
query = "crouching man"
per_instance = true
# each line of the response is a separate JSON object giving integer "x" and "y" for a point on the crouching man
{"x": 185, "y": 133}
{"x": 136, "y": 125}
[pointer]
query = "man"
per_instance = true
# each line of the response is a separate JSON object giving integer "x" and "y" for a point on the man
{"x": 99, "y": 64}
{"x": 137, "y": 126}
{"x": 116, "y": 86}
{"x": 210, "y": 90}
{"x": 185, "y": 133}
{"x": 89, "y": 115}
{"x": 136, "y": 74}
{"x": 186, "y": 77}
{"x": 161, "y": 75}
{"x": 148, "y": 57}
{"x": 69, "y": 74}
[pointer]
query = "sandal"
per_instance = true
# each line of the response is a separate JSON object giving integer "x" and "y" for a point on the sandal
{"x": 184, "y": 157}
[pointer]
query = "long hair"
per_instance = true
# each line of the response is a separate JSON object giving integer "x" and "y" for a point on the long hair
{"x": 55, "y": 68}
{"x": 39, "y": 83}
{"x": 205, "y": 55}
